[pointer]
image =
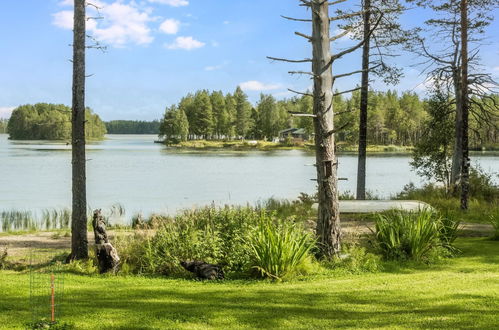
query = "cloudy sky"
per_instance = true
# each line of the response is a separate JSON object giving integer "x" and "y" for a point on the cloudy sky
{"x": 159, "y": 50}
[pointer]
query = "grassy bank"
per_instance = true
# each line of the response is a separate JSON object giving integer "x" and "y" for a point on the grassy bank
{"x": 461, "y": 293}
{"x": 266, "y": 145}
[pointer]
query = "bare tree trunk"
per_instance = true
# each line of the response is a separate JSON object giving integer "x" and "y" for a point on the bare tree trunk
{"x": 79, "y": 243}
{"x": 328, "y": 222}
{"x": 457, "y": 153}
{"x": 465, "y": 104}
{"x": 361, "y": 166}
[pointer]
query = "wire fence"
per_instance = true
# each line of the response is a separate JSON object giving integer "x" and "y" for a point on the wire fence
{"x": 46, "y": 287}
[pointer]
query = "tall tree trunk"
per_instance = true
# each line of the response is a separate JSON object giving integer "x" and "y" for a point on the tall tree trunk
{"x": 79, "y": 243}
{"x": 457, "y": 153}
{"x": 328, "y": 222}
{"x": 465, "y": 104}
{"x": 361, "y": 166}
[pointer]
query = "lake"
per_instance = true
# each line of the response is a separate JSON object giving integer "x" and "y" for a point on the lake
{"x": 147, "y": 177}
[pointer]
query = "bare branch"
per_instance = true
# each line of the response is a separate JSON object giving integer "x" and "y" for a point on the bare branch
{"x": 296, "y": 19}
{"x": 345, "y": 16}
{"x": 300, "y": 93}
{"x": 309, "y": 38}
{"x": 336, "y": 130}
{"x": 351, "y": 49}
{"x": 347, "y": 91}
{"x": 302, "y": 72}
{"x": 301, "y": 114}
{"x": 288, "y": 60}
{"x": 341, "y": 35}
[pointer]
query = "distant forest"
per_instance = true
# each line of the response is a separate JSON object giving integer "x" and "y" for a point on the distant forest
{"x": 132, "y": 127}
{"x": 44, "y": 121}
{"x": 3, "y": 125}
{"x": 392, "y": 118}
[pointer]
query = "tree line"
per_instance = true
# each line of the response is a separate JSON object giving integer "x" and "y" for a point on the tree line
{"x": 132, "y": 127}
{"x": 393, "y": 118}
{"x": 3, "y": 126}
{"x": 44, "y": 121}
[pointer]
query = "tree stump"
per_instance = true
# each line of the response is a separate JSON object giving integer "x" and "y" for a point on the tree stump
{"x": 107, "y": 255}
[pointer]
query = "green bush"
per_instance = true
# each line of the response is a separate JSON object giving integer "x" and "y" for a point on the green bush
{"x": 280, "y": 249}
{"x": 219, "y": 236}
{"x": 355, "y": 259}
{"x": 494, "y": 221}
{"x": 411, "y": 235}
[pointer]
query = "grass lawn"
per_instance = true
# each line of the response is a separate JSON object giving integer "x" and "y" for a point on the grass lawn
{"x": 459, "y": 293}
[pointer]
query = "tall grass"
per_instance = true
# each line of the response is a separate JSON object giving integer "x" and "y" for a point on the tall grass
{"x": 494, "y": 221}
{"x": 55, "y": 219}
{"x": 219, "y": 236}
{"x": 14, "y": 220}
{"x": 279, "y": 249}
{"x": 412, "y": 235}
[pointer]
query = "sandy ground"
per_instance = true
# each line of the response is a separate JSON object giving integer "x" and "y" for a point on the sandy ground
{"x": 20, "y": 246}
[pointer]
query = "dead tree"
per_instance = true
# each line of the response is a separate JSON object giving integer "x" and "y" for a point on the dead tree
{"x": 445, "y": 63}
{"x": 465, "y": 167}
{"x": 79, "y": 243}
{"x": 107, "y": 256}
{"x": 328, "y": 228}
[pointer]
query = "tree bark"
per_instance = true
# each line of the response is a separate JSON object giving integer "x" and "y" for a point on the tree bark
{"x": 361, "y": 165}
{"x": 79, "y": 243}
{"x": 328, "y": 222}
{"x": 457, "y": 153}
{"x": 105, "y": 252}
{"x": 465, "y": 104}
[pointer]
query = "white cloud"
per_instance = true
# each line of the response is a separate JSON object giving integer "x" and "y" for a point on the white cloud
{"x": 187, "y": 43}
{"x": 66, "y": 3}
{"x": 173, "y": 3}
{"x": 170, "y": 26}
{"x": 495, "y": 68}
{"x": 213, "y": 67}
{"x": 121, "y": 24}
{"x": 254, "y": 85}
{"x": 126, "y": 23}
{"x": 63, "y": 19}
{"x": 226, "y": 22}
{"x": 5, "y": 112}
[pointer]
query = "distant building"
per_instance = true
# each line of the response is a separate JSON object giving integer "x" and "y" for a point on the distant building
{"x": 297, "y": 134}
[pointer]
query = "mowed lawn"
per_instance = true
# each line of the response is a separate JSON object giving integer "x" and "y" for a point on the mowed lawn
{"x": 459, "y": 293}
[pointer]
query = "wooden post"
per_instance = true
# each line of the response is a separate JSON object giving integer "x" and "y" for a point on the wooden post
{"x": 52, "y": 298}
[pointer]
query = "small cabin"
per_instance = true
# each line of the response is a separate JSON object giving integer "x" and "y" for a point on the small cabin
{"x": 297, "y": 134}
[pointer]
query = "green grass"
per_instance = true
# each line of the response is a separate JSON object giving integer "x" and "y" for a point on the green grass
{"x": 459, "y": 293}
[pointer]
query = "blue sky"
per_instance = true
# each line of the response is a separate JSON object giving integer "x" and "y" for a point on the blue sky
{"x": 160, "y": 50}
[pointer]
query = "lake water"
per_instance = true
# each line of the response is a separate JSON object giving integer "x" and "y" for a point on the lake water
{"x": 147, "y": 177}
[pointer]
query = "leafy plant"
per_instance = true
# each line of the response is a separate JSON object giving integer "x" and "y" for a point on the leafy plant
{"x": 355, "y": 260}
{"x": 410, "y": 235}
{"x": 494, "y": 221}
{"x": 279, "y": 249}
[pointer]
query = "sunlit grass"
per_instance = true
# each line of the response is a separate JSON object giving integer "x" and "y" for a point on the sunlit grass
{"x": 459, "y": 293}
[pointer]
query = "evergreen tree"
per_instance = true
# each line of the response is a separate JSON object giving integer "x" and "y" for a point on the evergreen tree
{"x": 243, "y": 113}
{"x": 220, "y": 115}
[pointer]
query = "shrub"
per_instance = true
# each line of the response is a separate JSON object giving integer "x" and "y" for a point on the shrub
{"x": 411, "y": 235}
{"x": 494, "y": 221}
{"x": 355, "y": 260}
{"x": 219, "y": 236}
{"x": 279, "y": 249}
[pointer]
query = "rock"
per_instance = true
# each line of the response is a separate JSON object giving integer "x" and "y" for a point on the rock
{"x": 204, "y": 270}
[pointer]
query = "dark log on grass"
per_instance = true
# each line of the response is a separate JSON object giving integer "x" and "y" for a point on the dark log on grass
{"x": 107, "y": 255}
{"x": 204, "y": 270}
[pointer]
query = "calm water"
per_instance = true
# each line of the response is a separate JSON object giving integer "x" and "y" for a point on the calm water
{"x": 147, "y": 177}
